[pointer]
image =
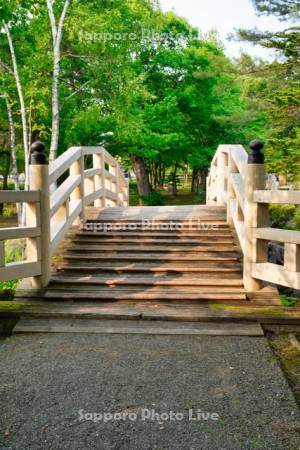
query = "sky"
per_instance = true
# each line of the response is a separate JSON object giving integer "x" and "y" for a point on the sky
{"x": 225, "y": 15}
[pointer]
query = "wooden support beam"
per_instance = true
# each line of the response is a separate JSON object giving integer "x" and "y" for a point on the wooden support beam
{"x": 292, "y": 257}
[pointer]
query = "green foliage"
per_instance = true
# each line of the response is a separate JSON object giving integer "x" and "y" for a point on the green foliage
{"x": 297, "y": 218}
{"x": 283, "y": 9}
{"x": 162, "y": 94}
{"x": 154, "y": 199}
{"x": 281, "y": 215}
{"x": 14, "y": 252}
{"x": 272, "y": 90}
{"x": 7, "y": 289}
{"x": 288, "y": 300}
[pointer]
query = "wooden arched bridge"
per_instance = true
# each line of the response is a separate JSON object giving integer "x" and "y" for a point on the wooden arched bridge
{"x": 85, "y": 244}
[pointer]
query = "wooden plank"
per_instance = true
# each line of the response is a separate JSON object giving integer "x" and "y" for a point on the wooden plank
{"x": 238, "y": 225}
{"x": 19, "y": 232}
{"x": 92, "y": 150}
{"x": 63, "y": 163}
{"x": 142, "y": 327}
{"x": 149, "y": 249}
{"x": 276, "y": 234}
{"x": 62, "y": 194}
{"x": 150, "y": 280}
{"x": 19, "y": 196}
{"x": 240, "y": 157}
{"x": 60, "y": 229}
{"x": 292, "y": 197}
{"x": 31, "y": 303}
{"x": 102, "y": 192}
{"x": 134, "y": 296}
{"x": 94, "y": 196}
{"x": 238, "y": 185}
{"x": 139, "y": 240}
{"x": 292, "y": 257}
{"x": 273, "y": 273}
{"x": 170, "y": 268}
{"x": 110, "y": 176}
{"x": 90, "y": 173}
{"x": 24, "y": 269}
{"x": 150, "y": 257}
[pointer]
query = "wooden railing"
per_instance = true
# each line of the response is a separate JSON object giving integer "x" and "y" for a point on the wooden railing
{"x": 32, "y": 266}
{"x": 103, "y": 184}
{"x": 237, "y": 182}
{"x": 90, "y": 177}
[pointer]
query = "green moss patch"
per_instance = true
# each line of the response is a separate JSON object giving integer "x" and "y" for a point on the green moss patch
{"x": 12, "y": 306}
{"x": 289, "y": 359}
{"x": 247, "y": 310}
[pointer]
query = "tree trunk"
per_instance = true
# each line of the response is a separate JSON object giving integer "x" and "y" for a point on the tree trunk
{"x": 142, "y": 176}
{"x": 13, "y": 153}
{"x": 56, "y": 37}
{"x": 203, "y": 176}
{"x": 174, "y": 180}
{"x": 5, "y": 179}
{"x": 22, "y": 104}
{"x": 196, "y": 179}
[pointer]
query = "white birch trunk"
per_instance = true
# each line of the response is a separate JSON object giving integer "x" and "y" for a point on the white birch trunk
{"x": 22, "y": 104}
{"x": 12, "y": 139}
{"x": 56, "y": 37}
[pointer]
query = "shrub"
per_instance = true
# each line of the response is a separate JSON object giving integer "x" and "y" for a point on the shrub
{"x": 297, "y": 218}
{"x": 281, "y": 215}
{"x": 154, "y": 199}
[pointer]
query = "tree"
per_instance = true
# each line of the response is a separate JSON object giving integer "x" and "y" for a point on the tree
{"x": 15, "y": 72}
{"x": 283, "y": 9}
{"x": 273, "y": 88}
{"x": 57, "y": 30}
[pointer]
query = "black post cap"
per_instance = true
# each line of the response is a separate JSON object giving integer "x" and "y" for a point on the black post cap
{"x": 256, "y": 156}
{"x": 37, "y": 154}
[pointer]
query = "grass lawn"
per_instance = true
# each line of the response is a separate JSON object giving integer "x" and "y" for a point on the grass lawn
{"x": 183, "y": 197}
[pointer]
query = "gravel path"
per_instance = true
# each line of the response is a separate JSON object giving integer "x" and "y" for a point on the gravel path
{"x": 47, "y": 379}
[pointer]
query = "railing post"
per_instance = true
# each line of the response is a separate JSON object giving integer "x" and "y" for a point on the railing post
{"x": 256, "y": 215}
{"x": 99, "y": 163}
{"x": 230, "y": 190}
{"x": 39, "y": 181}
{"x": 221, "y": 164}
{"x": 77, "y": 168}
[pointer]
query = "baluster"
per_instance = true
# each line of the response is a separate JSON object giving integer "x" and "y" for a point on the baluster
{"x": 292, "y": 257}
{"x": 221, "y": 164}
{"x": 77, "y": 168}
{"x": 98, "y": 163}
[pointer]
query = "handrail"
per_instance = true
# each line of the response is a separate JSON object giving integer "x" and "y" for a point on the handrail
{"x": 239, "y": 186}
{"x": 104, "y": 184}
{"x": 53, "y": 207}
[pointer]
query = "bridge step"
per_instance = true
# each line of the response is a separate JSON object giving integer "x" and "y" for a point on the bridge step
{"x": 55, "y": 325}
{"x": 211, "y": 257}
{"x": 198, "y": 262}
{"x": 208, "y": 249}
{"x": 153, "y": 241}
{"x": 108, "y": 295}
{"x": 144, "y": 268}
{"x": 148, "y": 281}
{"x": 165, "y": 234}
